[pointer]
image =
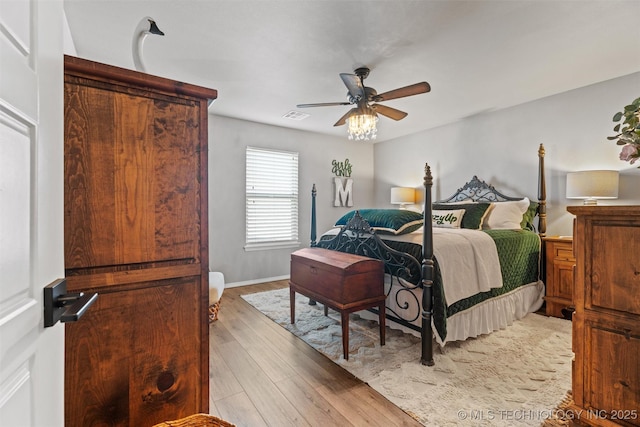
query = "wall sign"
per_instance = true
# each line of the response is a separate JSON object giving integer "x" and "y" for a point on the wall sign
{"x": 341, "y": 168}
{"x": 343, "y": 188}
{"x": 343, "y": 191}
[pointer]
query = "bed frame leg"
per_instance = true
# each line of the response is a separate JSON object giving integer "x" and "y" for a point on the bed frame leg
{"x": 313, "y": 224}
{"x": 427, "y": 309}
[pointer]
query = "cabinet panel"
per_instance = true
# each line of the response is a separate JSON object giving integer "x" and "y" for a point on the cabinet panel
{"x": 616, "y": 267}
{"x": 136, "y": 358}
{"x": 563, "y": 278}
{"x": 130, "y": 187}
{"x": 611, "y": 368}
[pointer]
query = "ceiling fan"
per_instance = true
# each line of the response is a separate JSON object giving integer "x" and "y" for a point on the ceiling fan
{"x": 366, "y": 98}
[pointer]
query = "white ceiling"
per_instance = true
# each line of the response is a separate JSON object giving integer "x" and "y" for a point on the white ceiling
{"x": 266, "y": 56}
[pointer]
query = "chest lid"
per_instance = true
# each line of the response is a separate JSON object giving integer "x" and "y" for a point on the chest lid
{"x": 349, "y": 263}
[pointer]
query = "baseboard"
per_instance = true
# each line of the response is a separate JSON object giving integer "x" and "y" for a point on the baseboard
{"x": 255, "y": 282}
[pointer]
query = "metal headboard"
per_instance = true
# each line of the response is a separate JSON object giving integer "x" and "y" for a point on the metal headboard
{"x": 478, "y": 191}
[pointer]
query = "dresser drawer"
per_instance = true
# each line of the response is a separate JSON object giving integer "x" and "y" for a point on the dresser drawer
{"x": 564, "y": 252}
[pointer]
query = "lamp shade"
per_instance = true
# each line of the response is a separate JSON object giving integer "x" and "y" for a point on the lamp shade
{"x": 592, "y": 185}
{"x": 403, "y": 195}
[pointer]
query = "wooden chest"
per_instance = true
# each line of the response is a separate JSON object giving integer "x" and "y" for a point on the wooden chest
{"x": 342, "y": 281}
{"x": 337, "y": 277}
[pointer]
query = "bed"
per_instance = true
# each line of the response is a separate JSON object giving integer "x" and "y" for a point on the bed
{"x": 478, "y": 237}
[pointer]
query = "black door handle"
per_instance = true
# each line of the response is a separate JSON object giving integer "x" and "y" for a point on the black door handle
{"x": 59, "y": 305}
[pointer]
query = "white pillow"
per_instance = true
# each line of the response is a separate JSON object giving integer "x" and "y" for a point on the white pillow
{"x": 506, "y": 215}
{"x": 447, "y": 218}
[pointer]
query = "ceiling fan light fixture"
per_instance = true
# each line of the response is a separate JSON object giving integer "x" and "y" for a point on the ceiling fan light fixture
{"x": 362, "y": 119}
{"x": 362, "y": 126}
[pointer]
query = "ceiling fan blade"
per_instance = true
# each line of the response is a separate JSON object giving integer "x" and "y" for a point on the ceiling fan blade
{"x": 343, "y": 119}
{"x": 322, "y": 104}
{"x": 392, "y": 113}
{"x": 354, "y": 84}
{"x": 410, "y": 90}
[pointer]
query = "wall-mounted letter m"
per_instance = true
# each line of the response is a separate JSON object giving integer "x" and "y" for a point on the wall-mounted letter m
{"x": 343, "y": 193}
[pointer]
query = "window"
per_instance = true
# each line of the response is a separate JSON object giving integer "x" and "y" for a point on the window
{"x": 272, "y": 198}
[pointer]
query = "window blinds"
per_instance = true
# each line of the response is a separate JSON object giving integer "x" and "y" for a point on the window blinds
{"x": 271, "y": 197}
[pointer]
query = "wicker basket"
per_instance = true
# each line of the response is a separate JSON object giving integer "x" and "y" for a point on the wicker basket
{"x": 197, "y": 420}
{"x": 213, "y": 311}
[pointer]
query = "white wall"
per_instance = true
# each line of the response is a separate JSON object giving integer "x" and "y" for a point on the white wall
{"x": 228, "y": 139}
{"x": 500, "y": 147}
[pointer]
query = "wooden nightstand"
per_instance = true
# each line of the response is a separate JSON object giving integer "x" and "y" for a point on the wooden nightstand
{"x": 559, "y": 262}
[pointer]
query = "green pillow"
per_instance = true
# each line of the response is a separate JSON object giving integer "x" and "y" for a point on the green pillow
{"x": 390, "y": 221}
{"x": 473, "y": 216}
{"x": 529, "y": 215}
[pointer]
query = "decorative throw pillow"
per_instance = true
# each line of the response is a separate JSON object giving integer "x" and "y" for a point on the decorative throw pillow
{"x": 506, "y": 215}
{"x": 390, "y": 221}
{"x": 474, "y": 212}
{"x": 447, "y": 218}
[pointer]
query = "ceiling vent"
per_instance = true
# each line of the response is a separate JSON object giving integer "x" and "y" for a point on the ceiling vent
{"x": 295, "y": 115}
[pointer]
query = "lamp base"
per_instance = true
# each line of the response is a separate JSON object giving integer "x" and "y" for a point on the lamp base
{"x": 590, "y": 202}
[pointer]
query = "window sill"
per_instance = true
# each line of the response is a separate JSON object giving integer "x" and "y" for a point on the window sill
{"x": 271, "y": 245}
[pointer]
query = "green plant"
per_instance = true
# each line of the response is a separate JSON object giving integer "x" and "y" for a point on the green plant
{"x": 628, "y": 132}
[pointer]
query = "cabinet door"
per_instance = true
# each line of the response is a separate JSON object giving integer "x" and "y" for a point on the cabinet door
{"x": 611, "y": 362}
{"x": 615, "y": 264}
{"x": 132, "y": 194}
{"x": 563, "y": 279}
{"x": 559, "y": 276}
{"x": 134, "y": 360}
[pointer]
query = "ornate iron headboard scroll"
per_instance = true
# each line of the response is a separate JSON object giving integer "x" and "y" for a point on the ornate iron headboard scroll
{"x": 478, "y": 191}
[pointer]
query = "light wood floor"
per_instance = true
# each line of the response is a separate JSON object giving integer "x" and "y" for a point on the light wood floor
{"x": 262, "y": 375}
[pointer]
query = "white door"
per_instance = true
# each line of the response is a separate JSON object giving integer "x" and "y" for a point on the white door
{"x": 31, "y": 210}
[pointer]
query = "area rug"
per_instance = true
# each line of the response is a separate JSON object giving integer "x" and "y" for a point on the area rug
{"x": 515, "y": 376}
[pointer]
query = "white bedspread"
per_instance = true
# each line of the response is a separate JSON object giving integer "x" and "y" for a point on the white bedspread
{"x": 468, "y": 260}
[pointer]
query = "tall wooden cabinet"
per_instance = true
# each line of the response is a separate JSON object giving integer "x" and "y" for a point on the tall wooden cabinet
{"x": 136, "y": 232}
{"x": 606, "y": 322}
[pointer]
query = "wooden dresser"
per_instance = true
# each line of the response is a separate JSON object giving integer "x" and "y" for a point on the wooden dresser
{"x": 135, "y": 232}
{"x": 559, "y": 262}
{"x": 606, "y": 322}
